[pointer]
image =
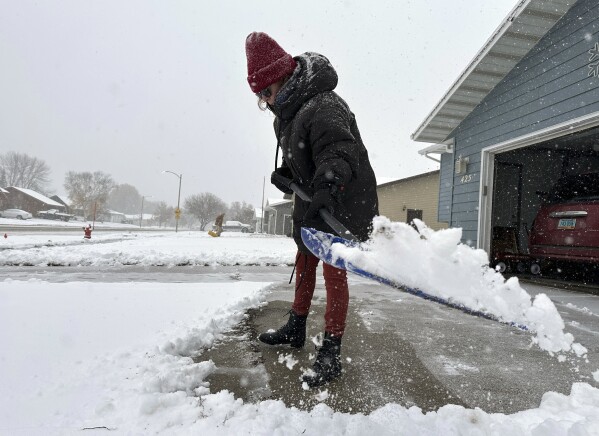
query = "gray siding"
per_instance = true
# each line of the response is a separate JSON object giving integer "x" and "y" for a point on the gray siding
{"x": 549, "y": 86}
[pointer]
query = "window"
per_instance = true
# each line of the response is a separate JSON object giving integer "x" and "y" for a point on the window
{"x": 413, "y": 213}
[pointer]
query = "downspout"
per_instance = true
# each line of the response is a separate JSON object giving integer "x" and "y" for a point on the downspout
{"x": 432, "y": 158}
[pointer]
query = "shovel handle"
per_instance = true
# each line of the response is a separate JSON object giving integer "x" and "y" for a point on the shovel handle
{"x": 327, "y": 217}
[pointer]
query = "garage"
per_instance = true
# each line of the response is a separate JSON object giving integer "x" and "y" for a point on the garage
{"x": 522, "y": 179}
{"x": 518, "y": 129}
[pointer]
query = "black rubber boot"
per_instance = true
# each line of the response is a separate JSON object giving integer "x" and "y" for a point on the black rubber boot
{"x": 328, "y": 362}
{"x": 292, "y": 333}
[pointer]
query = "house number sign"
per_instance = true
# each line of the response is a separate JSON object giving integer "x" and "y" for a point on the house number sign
{"x": 467, "y": 178}
{"x": 594, "y": 61}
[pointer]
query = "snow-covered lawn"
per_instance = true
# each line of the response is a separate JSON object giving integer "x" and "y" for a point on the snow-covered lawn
{"x": 39, "y": 222}
{"x": 146, "y": 249}
{"x": 83, "y": 354}
{"x": 117, "y": 357}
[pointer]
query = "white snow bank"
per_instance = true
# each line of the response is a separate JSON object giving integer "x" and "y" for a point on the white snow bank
{"x": 88, "y": 354}
{"x": 438, "y": 264}
{"x": 146, "y": 249}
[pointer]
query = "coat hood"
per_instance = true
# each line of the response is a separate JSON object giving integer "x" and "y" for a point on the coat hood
{"x": 313, "y": 75}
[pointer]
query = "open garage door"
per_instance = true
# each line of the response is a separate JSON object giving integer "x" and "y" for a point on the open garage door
{"x": 521, "y": 182}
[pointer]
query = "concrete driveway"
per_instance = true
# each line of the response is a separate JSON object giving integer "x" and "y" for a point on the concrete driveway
{"x": 402, "y": 349}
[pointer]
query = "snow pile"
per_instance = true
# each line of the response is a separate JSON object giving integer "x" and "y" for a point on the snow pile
{"x": 146, "y": 249}
{"x": 557, "y": 415}
{"x": 116, "y": 355}
{"x": 438, "y": 264}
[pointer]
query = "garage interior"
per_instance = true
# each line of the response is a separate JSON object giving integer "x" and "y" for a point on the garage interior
{"x": 519, "y": 175}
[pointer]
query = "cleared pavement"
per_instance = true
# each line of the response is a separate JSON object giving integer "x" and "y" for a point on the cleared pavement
{"x": 402, "y": 349}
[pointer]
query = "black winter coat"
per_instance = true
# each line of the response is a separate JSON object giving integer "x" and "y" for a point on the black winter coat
{"x": 321, "y": 146}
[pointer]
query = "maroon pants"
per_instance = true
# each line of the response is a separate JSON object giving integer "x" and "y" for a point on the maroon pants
{"x": 335, "y": 281}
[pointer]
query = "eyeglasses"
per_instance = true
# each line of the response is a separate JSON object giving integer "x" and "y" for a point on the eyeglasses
{"x": 265, "y": 93}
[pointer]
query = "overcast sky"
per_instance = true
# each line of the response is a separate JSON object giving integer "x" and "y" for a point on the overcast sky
{"x": 132, "y": 88}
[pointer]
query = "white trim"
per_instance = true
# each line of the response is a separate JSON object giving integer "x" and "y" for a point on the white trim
{"x": 443, "y": 147}
{"x": 487, "y": 169}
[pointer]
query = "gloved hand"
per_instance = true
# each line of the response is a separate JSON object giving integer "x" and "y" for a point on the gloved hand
{"x": 321, "y": 198}
{"x": 285, "y": 172}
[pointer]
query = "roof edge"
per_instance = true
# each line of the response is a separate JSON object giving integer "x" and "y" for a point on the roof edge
{"x": 430, "y": 173}
{"x": 488, "y": 45}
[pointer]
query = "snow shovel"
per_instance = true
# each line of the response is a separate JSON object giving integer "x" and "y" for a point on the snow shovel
{"x": 327, "y": 217}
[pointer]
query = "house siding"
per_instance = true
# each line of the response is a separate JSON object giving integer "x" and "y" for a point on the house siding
{"x": 550, "y": 85}
{"x": 419, "y": 193}
{"x": 279, "y": 222}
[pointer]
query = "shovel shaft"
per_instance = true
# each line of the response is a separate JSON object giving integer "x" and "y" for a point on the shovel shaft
{"x": 326, "y": 216}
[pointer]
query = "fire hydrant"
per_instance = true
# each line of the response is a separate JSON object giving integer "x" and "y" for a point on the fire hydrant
{"x": 87, "y": 232}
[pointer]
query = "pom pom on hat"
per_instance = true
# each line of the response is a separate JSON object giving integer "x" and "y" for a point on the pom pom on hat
{"x": 267, "y": 61}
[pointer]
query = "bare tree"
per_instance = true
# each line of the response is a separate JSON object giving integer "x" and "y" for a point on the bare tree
{"x": 88, "y": 189}
{"x": 243, "y": 212}
{"x": 163, "y": 213}
{"x": 205, "y": 207}
{"x": 124, "y": 198}
{"x": 23, "y": 171}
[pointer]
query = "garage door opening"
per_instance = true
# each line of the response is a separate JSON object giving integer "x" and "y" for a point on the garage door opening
{"x": 523, "y": 181}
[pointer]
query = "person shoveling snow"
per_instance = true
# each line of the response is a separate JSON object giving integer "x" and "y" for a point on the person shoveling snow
{"x": 323, "y": 153}
{"x": 217, "y": 229}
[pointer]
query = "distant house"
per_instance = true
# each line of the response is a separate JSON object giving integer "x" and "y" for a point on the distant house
{"x": 277, "y": 217}
{"x": 112, "y": 216}
{"x": 147, "y": 219}
{"x": 31, "y": 201}
{"x": 413, "y": 197}
{"x": 399, "y": 200}
{"x": 64, "y": 201}
{"x": 3, "y": 199}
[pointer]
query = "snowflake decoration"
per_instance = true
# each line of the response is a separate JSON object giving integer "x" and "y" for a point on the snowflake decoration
{"x": 594, "y": 61}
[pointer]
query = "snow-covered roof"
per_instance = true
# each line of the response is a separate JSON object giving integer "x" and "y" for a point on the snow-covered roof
{"x": 146, "y": 216}
{"x": 114, "y": 212}
{"x": 4, "y": 191}
{"x": 384, "y": 181}
{"x": 65, "y": 199}
{"x": 276, "y": 201}
{"x": 525, "y": 25}
{"x": 38, "y": 196}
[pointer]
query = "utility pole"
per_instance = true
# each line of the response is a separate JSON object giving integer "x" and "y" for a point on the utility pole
{"x": 141, "y": 215}
{"x": 178, "y": 210}
{"x": 262, "y": 220}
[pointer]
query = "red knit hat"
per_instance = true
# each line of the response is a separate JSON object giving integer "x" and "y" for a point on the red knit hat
{"x": 267, "y": 61}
